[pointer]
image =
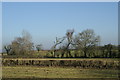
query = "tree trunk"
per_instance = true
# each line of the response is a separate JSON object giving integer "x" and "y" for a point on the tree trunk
{"x": 69, "y": 53}
{"x": 85, "y": 52}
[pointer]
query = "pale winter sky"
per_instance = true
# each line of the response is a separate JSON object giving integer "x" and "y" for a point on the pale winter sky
{"x": 47, "y": 20}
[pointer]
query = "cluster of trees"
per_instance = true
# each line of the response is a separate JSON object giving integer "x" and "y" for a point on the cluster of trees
{"x": 20, "y": 45}
{"x": 85, "y": 44}
{"x": 70, "y": 45}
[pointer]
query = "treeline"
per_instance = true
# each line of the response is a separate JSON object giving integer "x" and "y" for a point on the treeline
{"x": 106, "y": 51}
{"x": 85, "y": 44}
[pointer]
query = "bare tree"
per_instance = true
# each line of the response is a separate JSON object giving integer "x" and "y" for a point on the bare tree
{"x": 86, "y": 39}
{"x": 57, "y": 42}
{"x": 69, "y": 36}
{"x": 22, "y": 45}
{"x": 65, "y": 49}
{"x": 8, "y": 49}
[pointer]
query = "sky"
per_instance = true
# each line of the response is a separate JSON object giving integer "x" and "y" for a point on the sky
{"x": 47, "y": 20}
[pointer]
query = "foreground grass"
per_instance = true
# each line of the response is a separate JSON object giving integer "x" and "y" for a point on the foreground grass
{"x": 56, "y": 72}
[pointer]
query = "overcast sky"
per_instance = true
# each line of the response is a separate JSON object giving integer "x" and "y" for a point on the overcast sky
{"x": 45, "y": 21}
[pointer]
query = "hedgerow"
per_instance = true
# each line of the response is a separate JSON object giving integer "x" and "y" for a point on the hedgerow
{"x": 99, "y": 64}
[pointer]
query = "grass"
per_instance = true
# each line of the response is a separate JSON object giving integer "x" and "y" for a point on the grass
{"x": 56, "y": 72}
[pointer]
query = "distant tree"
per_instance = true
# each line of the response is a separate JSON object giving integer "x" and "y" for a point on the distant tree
{"x": 69, "y": 36}
{"x": 7, "y": 49}
{"x": 86, "y": 39}
{"x": 22, "y": 45}
{"x": 118, "y": 51}
{"x": 56, "y": 43}
{"x": 115, "y": 51}
{"x": 39, "y": 47}
{"x": 109, "y": 48}
{"x": 65, "y": 48}
{"x": 103, "y": 53}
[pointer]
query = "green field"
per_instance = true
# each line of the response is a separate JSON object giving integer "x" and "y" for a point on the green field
{"x": 56, "y": 72}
